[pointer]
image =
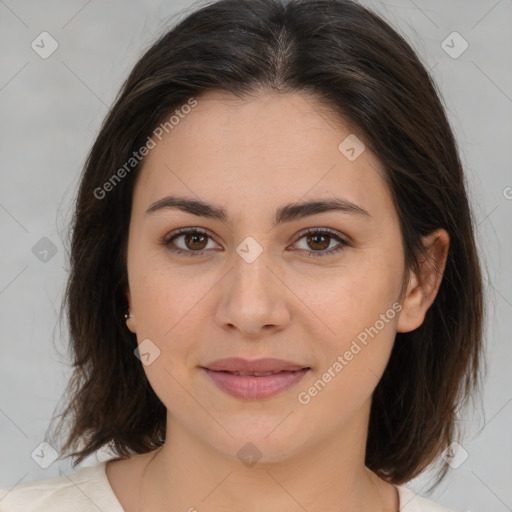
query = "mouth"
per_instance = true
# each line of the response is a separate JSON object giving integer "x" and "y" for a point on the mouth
{"x": 255, "y": 374}
{"x": 254, "y": 366}
{"x": 255, "y": 379}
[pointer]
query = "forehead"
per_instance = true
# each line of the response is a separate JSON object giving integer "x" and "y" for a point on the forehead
{"x": 266, "y": 147}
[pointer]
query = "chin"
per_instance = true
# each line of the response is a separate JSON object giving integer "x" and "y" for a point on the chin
{"x": 265, "y": 441}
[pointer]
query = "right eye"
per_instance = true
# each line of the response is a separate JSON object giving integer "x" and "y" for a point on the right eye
{"x": 193, "y": 238}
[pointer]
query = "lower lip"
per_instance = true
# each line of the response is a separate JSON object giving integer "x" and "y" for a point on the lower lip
{"x": 249, "y": 386}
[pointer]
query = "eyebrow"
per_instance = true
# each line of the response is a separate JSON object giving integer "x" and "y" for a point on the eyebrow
{"x": 286, "y": 213}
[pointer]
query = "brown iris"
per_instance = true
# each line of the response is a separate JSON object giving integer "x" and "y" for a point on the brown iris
{"x": 192, "y": 238}
{"x": 315, "y": 237}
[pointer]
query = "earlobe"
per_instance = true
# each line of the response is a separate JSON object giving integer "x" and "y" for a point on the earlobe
{"x": 130, "y": 317}
{"x": 130, "y": 323}
{"x": 422, "y": 289}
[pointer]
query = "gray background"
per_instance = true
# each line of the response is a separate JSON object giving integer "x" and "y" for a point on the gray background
{"x": 51, "y": 110}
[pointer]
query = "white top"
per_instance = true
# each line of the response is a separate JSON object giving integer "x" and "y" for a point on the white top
{"x": 88, "y": 490}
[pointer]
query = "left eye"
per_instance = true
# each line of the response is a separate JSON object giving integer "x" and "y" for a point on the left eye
{"x": 321, "y": 239}
{"x": 196, "y": 242}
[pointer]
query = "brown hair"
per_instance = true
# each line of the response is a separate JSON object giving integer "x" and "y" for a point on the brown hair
{"x": 357, "y": 65}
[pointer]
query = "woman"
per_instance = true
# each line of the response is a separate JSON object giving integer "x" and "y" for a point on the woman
{"x": 269, "y": 246}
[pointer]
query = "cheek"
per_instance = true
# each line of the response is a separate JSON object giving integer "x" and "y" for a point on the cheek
{"x": 166, "y": 296}
{"x": 167, "y": 306}
{"x": 348, "y": 300}
{"x": 171, "y": 305}
{"x": 353, "y": 357}
{"x": 356, "y": 312}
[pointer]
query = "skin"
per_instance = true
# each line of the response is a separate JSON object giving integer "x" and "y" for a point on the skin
{"x": 251, "y": 157}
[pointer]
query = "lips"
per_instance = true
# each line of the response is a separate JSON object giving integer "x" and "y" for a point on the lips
{"x": 255, "y": 387}
{"x": 254, "y": 374}
{"x": 258, "y": 366}
{"x": 256, "y": 379}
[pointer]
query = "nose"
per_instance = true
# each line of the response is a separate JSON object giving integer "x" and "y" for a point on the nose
{"x": 253, "y": 299}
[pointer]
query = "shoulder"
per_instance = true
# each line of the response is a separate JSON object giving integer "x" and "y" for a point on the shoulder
{"x": 83, "y": 490}
{"x": 411, "y": 502}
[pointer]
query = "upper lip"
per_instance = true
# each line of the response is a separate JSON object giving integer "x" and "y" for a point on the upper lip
{"x": 239, "y": 364}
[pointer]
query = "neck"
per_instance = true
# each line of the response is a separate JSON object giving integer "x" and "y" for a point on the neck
{"x": 186, "y": 474}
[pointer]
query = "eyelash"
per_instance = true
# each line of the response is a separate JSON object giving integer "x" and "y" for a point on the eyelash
{"x": 310, "y": 254}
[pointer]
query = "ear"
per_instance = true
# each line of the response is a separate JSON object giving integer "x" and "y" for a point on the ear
{"x": 422, "y": 289}
{"x": 130, "y": 322}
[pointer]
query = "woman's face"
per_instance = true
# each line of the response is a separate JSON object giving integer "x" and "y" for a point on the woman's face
{"x": 249, "y": 287}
